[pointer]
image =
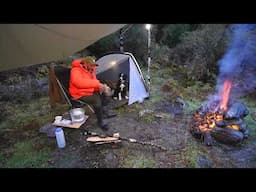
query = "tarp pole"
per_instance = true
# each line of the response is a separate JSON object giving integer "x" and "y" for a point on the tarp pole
{"x": 121, "y": 40}
{"x": 122, "y": 31}
{"x": 148, "y": 27}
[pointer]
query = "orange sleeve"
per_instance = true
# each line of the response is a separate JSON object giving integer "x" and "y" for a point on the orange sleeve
{"x": 82, "y": 81}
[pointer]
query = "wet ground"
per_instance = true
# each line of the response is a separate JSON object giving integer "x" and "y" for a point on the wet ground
{"x": 168, "y": 129}
{"x": 159, "y": 124}
{"x": 125, "y": 154}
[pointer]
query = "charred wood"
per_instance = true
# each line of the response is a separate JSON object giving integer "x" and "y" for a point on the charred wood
{"x": 220, "y": 123}
{"x": 228, "y": 136}
{"x": 207, "y": 138}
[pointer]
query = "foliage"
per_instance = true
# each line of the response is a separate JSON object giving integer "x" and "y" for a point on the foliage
{"x": 173, "y": 89}
{"x": 199, "y": 51}
{"x": 170, "y": 35}
{"x": 160, "y": 54}
{"x": 198, "y": 90}
{"x": 24, "y": 85}
{"x": 43, "y": 71}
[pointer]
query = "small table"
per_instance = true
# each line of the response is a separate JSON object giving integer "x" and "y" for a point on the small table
{"x": 71, "y": 125}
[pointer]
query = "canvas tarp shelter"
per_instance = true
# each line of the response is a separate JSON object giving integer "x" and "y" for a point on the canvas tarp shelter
{"x": 29, "y": 44}
{"x": 112, "y": 64}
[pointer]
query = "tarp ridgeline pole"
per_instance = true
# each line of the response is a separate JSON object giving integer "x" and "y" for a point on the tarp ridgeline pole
{"x": 148, "y": 27}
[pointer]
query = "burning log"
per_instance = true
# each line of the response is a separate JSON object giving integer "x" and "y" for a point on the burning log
{"x": 229, "y": 136}
{"x": 227, "y": 127}
{"x": 233, "y": 121}
{"x": 220, "y": 123}
{"x": 244, "y": 129}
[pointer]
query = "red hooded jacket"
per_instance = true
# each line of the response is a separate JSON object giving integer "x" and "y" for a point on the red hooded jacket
{"x": 82, "y": 82}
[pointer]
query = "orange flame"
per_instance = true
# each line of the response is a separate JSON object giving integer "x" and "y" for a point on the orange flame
{"x": 225, "y": 95}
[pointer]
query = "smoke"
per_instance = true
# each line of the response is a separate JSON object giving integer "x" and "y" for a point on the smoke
{"x": 239, "y": 62}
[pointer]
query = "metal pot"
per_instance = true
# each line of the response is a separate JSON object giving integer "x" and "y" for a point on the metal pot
{"x": 77, "y": 115}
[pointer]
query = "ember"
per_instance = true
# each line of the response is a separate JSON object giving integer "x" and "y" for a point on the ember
{"x": 226, "y": 126}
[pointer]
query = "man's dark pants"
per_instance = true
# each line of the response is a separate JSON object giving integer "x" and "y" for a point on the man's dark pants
{"x": 96, "y": 100}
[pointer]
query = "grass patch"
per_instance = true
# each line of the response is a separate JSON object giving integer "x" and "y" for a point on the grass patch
{"x": 64, "y": 161}
{"x": 251, "y": 125}
{"x": 128, "y": 108}
{"x": 198, "y": 90}
{"x": 148, "y": 118}
{"x": 37, "y": 111}
{"x": 135, "y": 159}
{"x": 138, "y": 162}
{"x": 121, "y": 110}
{"x": 192, "y": 105}
{"x": 25, "y": 156}
{"x": 190, "y": 155}
{"x": 194, "y": 94}
{"x": 155, "y": 88}
{"x": 155, "y": 97}
{"x": 251, "y": 105}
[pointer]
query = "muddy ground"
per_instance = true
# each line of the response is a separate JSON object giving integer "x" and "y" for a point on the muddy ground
{"x": 166, "y": 126}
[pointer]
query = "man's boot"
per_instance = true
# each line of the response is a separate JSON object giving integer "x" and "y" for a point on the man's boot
{"x": 103, "y": 126}
{"x": 99, "y": 115}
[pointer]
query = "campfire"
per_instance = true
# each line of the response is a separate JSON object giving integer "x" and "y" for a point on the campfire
{"x": 221, "y": 118}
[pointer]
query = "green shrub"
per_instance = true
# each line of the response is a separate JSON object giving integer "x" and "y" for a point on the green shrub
{"x": 171, "y": 34}
{"x": 199, "y": 52}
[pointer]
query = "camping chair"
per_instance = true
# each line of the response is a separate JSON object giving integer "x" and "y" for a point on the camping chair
{"x": 62, "y": 75}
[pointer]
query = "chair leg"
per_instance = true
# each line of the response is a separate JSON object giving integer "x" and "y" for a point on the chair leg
{"x": 90, "y": 107}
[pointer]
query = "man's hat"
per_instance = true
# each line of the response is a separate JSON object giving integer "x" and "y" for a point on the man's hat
{"x": 90, "y": 60}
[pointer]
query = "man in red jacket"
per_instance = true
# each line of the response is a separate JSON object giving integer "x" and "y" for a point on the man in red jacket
{"x": 86, "y": 87}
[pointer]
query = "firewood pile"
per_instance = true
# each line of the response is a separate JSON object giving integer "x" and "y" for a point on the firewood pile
{"x": 227, "y": 127}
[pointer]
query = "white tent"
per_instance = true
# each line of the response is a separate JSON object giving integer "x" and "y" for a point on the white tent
{"x": 29, "y": 44}
{"x": 112, "y": 64}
